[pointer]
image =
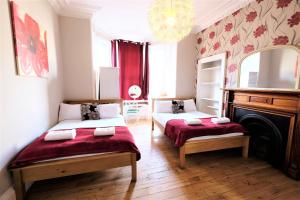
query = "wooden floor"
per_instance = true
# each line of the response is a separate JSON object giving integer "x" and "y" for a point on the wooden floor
{"x": 213, "y": 175}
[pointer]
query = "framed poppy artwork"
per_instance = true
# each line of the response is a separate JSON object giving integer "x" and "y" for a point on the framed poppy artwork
{"x": 30, "y": 44}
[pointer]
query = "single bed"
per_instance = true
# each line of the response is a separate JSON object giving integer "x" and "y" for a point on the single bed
{"x": 234, "y": 137}
{"x": 42, "y": 160}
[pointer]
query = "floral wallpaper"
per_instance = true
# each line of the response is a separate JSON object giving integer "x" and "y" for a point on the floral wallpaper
{"x": 261, "y": 24}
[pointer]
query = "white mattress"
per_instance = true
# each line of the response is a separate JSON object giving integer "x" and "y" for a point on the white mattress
{"x": 163, "y": 118}
{"x": 70, "y": 124}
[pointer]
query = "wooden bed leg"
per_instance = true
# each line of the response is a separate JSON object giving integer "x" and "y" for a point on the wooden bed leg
{"x": 182, "y": 157}
{"x": 133, "y": 167}
{"x": 152, "y": 125}
{"x": 19, "y": 185}
{"x": 246, "y": 147}
{"x": 152, "y": 129}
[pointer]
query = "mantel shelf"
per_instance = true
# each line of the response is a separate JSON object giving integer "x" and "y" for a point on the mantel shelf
{"x": 263, "y": 90}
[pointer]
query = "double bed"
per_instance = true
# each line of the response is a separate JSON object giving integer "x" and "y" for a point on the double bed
{"x": 195, "y": 139}
{"x": 86, "y": 153}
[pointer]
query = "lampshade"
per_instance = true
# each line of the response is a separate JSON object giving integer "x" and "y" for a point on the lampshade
{"x": 171, "y": 20}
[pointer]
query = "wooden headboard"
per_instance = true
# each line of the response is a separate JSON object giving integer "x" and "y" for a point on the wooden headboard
{"x": 168, "y": 98}
{"x": 102, "y": 101}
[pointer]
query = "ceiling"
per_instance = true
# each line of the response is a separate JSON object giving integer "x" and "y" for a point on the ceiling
{"x": 128, "y": 19}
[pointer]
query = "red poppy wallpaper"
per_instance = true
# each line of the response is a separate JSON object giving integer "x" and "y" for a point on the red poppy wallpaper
{"x": 261, "y": 24}
{"x": 30, "y": 43}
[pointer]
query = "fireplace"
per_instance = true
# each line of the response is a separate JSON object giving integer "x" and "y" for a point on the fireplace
{"x": 272, "y": 119}
{"x": 269, "y": 134}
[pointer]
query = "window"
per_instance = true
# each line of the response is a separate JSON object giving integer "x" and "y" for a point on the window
{"x": 162, "y": 62}
{"x": 101, "y": 52}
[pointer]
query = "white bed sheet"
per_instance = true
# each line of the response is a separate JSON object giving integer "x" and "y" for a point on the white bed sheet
{"x": 71, "y": 124}
{"x": 163, "y": 118}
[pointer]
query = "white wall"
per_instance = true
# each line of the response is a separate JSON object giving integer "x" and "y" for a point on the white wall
{"x": 76, "y": 42}
{"x": 185, "y": 71}
{"x": 28, "y": 105}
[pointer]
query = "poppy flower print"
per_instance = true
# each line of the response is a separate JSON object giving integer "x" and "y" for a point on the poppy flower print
{"x": 232, "y": 68}
{"x": 259, "y": 31}
{"x": 234, "y": 39}
{"x": 294, "y": 20}
{"x": 281, "y": 40}
{"x": 283, "y": 3}
{"x": 260, "y": 24}
{"x": 199, "y": 40}
{"x": 202, "y": 51}
{"x": 30, "y": 44}
{"x": 216, "y": 46}
{"x": 249, "y": 48}
{"x": 251, "y": 16}
{"x": 228, "y": 27}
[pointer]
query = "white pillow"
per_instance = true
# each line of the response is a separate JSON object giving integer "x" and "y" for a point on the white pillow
{"x": 189, "y": 105}
{"x": 111, "y": 110}
{"x": 163, "y": 106}
{"x": 69, "y": 112}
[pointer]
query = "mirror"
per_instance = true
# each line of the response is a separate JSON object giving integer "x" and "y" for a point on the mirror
{"x": 134, "y": 91}
{"x": 271, "y": 68}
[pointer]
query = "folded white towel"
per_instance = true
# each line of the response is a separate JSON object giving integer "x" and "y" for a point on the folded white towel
{"x": 104, "y": 131}
{"x": 60, "y": 135}
{"x": 193, "y": 121}
{"x": 220, "y": 120}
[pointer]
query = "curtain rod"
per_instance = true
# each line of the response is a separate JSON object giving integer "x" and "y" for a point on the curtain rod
{"x": 128, "y": 41}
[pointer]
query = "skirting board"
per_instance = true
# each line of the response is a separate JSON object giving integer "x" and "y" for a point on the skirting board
{"x": 9, "y": 194}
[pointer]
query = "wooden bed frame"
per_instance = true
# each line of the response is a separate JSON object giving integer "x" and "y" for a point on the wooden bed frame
{"x": 73, "y": 166}
{"x": 197, "y": 146}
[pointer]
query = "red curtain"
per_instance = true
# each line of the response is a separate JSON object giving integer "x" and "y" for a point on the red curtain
{"x": 114, "y": 53}
{"x": 145, "y": 87}
{"x": 131, "y": 66}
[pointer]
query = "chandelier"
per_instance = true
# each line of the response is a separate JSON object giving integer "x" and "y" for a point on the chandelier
{"x": 171, "y": 20}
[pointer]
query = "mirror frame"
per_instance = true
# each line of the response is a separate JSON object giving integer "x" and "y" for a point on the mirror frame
{"x": 297, "y": 48}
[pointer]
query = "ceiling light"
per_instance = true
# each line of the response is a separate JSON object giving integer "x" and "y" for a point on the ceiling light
{"x": 171, "y": 20}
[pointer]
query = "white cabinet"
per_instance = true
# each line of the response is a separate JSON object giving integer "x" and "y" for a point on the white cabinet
{"x": 109, "y": 83}
{"x": 210, "y": 81}
{"x": 136, "y": 110}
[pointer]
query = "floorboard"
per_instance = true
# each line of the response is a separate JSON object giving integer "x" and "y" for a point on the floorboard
{"x": 208, "y": 176}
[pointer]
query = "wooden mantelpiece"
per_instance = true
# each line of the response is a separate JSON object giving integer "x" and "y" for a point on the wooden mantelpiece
{"x": 281, "y": 102}
{"x": 264, "y": 90}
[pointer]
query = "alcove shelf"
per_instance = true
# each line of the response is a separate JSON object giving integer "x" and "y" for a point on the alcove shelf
{"x": 210, "y": 80}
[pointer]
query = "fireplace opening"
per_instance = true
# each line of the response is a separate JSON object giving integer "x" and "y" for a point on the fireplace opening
{"x": 268, "y": 134}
